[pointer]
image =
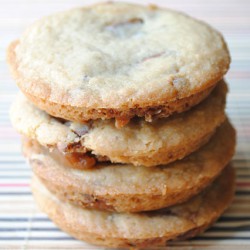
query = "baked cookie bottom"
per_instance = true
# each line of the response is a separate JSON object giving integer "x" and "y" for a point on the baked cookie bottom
{"x": 139, "y": 143}
{"x": 122, "y": 116}
{"x": 142, "y": 229}
{"x": 128, "y": 188}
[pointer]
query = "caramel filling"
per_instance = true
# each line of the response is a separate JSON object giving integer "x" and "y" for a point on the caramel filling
{"x": 75, "y": 160}
{"x": 121, "y": 121}
{"x": 78, "y": 160}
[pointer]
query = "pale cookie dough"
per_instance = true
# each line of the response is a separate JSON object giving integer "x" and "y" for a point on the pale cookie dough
{"x": 127, "y": 188}
{"x": 138, "y": 143}
{"x": 118, "y": 60}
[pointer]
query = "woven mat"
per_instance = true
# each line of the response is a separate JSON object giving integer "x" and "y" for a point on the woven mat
{"x": 22, "y": 226}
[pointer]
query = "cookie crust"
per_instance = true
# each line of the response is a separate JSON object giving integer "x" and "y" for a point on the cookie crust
{"x": 146, "y": 229}
{"x": 138, "y": 143}
{"x": 127, "y": 188}
{"x": 149, "y": 58}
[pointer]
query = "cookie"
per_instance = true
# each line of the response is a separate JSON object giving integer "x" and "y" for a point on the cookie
{"x": 118, "y": 60}
{"x": 127, "y": 188}
{"x": 142, "y": 229}
{"x": 138, "y": 143}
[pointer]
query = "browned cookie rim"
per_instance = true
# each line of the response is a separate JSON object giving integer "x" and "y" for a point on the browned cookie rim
{"x": 213, "y": 202}
{"x": 181, "y": 179}
{"x": 139, "y": 143}
{"x": 151, "y": 110}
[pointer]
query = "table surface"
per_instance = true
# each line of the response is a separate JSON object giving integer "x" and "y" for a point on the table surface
{"x": 22, "y": 226}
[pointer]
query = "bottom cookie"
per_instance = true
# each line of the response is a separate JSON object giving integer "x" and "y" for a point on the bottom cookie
{"x": 140, "y": 229}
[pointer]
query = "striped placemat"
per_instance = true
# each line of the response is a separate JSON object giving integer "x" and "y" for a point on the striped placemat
{"x": 22, "y": 226}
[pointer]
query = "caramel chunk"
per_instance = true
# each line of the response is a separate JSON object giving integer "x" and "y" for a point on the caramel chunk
{"x": 80, "y": 160}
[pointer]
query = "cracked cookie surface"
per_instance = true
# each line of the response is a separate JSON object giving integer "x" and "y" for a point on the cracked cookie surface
{"x": 118, "y": 60}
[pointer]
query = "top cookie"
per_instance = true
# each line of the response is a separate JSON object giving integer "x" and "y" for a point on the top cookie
{"x": 117, "y": 60}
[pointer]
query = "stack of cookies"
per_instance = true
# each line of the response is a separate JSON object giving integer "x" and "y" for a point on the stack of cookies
{"x": 123, "y": 123}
